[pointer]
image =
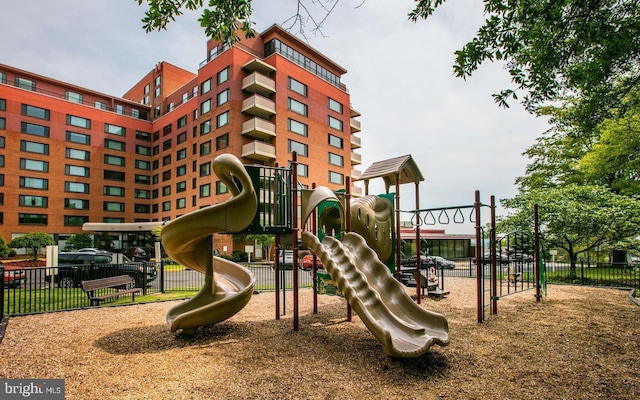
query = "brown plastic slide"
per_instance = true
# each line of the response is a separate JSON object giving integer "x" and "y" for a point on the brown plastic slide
{"x": 404, "y": 328}
{"x": 188, "y": 240}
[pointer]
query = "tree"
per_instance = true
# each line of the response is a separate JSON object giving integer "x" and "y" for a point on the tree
{"x": 576, "y": 218}
{"x": 103, "y": 241}
{"x": 555, "y": 48}
{"x": 4, "y": 249}
{"x": 584, "y": 48}
{"x": 33, "y": 241}
{"x": 78, "y": 241}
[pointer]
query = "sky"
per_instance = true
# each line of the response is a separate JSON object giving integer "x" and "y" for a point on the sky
{"x": 400, "y": 78}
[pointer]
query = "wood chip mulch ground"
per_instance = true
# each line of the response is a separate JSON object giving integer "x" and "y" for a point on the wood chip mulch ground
{"x": 577, "y": 343}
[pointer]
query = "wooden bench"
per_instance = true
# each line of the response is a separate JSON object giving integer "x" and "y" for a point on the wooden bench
{"x": 119, "y": 283}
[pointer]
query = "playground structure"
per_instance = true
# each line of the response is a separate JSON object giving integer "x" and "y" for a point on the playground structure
{"x": 263, "y": 202}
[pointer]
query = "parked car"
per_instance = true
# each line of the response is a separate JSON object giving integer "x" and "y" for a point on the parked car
{"x": 76, "y": 266}
{"x": 500, "y": 259}
{"x": 14, "y": 277}
{"x": 521, "y": 257}
{"x": 408, "y": 265}
{"x": 139, "y": 253}
{"x": 307, "y": 262}
{"x": 443, "y": 263}
{"x": 286, "y": 259}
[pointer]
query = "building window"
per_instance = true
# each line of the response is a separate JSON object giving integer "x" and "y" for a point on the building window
{"x": 142, "y": 179}
{"x": 335, "y": 177}
{"x": 33, "y": 201}
{"x": 114, "y": 160}
{"x": 34, "y": 147}
{"x": 222, "y": 119}
{"x": 33, "y": 129}
{"x": 166, "y": 175}
{"x": 142, "y": 164}
{"x": 205, "y": 148}
{"x": 298, "y": 147}
{"x": 297, "y": 107}
{"x": 113, "y": 191}
{"x": 113, "y": 175}
{"x": 335, "y": 123}
{"x": 181, "y": 186}
{"x": 74, "y": 170}
{"x": 35, "y": 112}
{"x": 142, "y": 194}
{"x": 181, "y": 154}
{"x": 115, "y": 129}
{"x": 112, "y": 220}
{"x": 222, "y": 141}
{"x": 205, "y": 107}
{"x": 34, "y": 165}
{"x": 3, "y": 105}
{"x": 298, "y": 127}
{"x": 100, "y": 105}
{"x": 114, "y": 145}
{"x": 76, "y": 204}
{"x": 205, "y": 127}
{"x": 34, "y": 183}
{"x": 205, "y": 190}
{"x": 166, "y": 145}
{"x": 181, "y": 170}
{"x": 298, "y": 87}
{"x": 336, "y": 159}
{"x": 3, "y": 123}
{"x": 222, "y": 97}
{"x": 76, "y": 187}
{"x": 80, "y": 138}
{"x": 142, "y": 208}
{"x": 166, "y": 190}
{"x": 73, "y": 96}
{"x": 303, "y": 170}
{"x": 182, "y": 121}
{"x": 335, "y": 105}
{"x": 223, "y": 75}
{"x": 146, "y": 136}
{"x": 78, "y": 121}
{"x": 32, "y": 219}
{"x": 181, "y": 138}
{"x": 181, "y": 203}
{"x": 113, "y": 206}
{"x": 24, "y": 83}
{"x": 166, "y": 206}
{"x": 156, "y": 111}
{"x": 205, "y": 169}
{"x": 205, "y": 86}
{"x": 335, "y": 141}
{"x": 75, "y": 220}
{"x": 221, "y": 188}
{"x": 76, "y": 154}
{"x": 143, "y": 150}
{"x": 158, "y": 91}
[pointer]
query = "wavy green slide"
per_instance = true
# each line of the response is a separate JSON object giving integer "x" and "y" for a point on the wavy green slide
{"x": 188, "y": 240}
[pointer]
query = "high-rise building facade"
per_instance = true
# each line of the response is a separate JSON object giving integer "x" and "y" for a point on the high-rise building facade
{"x": 70, "y": 155}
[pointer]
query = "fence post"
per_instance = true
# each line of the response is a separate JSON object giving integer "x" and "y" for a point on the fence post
{"x": 581, "y": 271}
{"x": 161, "y": 275}
{"x": 2, "y": 294}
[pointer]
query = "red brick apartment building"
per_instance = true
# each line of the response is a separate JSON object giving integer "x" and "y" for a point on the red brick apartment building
{"x": 70, "y": 155}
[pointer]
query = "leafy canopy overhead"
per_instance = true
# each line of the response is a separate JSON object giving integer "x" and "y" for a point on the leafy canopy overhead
{"x": 554, "y": 48}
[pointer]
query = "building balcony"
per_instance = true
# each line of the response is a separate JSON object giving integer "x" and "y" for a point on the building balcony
{"x": 356, "y": 142}
{"x": 260, "y": 151}
{"x": 259, "y": 128}
{"x": 357, "y": 191}
{"x": 258, "y": 83}
{"x": 355, "y": 174}
{"x": 259, "y": 106}
{"x": 355, "y": 125}
{"x": 257, "y": 65}
{"x": 354, "y": 113}
{"x": 356, "y": 158}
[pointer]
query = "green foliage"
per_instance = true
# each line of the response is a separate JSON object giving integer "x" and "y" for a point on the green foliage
{"x": 4, "y": 249}
{"x": 103, "y": 241}
{"x": 32, "y": 241}
{"x": 554, "y": 48}
{"x": 576, "y": 218}
{"x": 78, "y": 241}
{"x": 221, "y": 19}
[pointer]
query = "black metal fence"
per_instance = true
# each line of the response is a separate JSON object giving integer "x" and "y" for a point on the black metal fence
{"x": 38, "y": 290}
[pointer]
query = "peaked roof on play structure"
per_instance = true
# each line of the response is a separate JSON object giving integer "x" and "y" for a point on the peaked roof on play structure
{"x": 402, "y": 168}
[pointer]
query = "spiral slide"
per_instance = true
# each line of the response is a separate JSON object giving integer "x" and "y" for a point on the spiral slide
{"x": 404, "y": 328}
{"x": 188, "y": 240}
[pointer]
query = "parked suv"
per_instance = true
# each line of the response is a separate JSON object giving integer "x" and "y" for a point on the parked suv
{"x": 76, "y": 266}
{"x": 138, "y": 253}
